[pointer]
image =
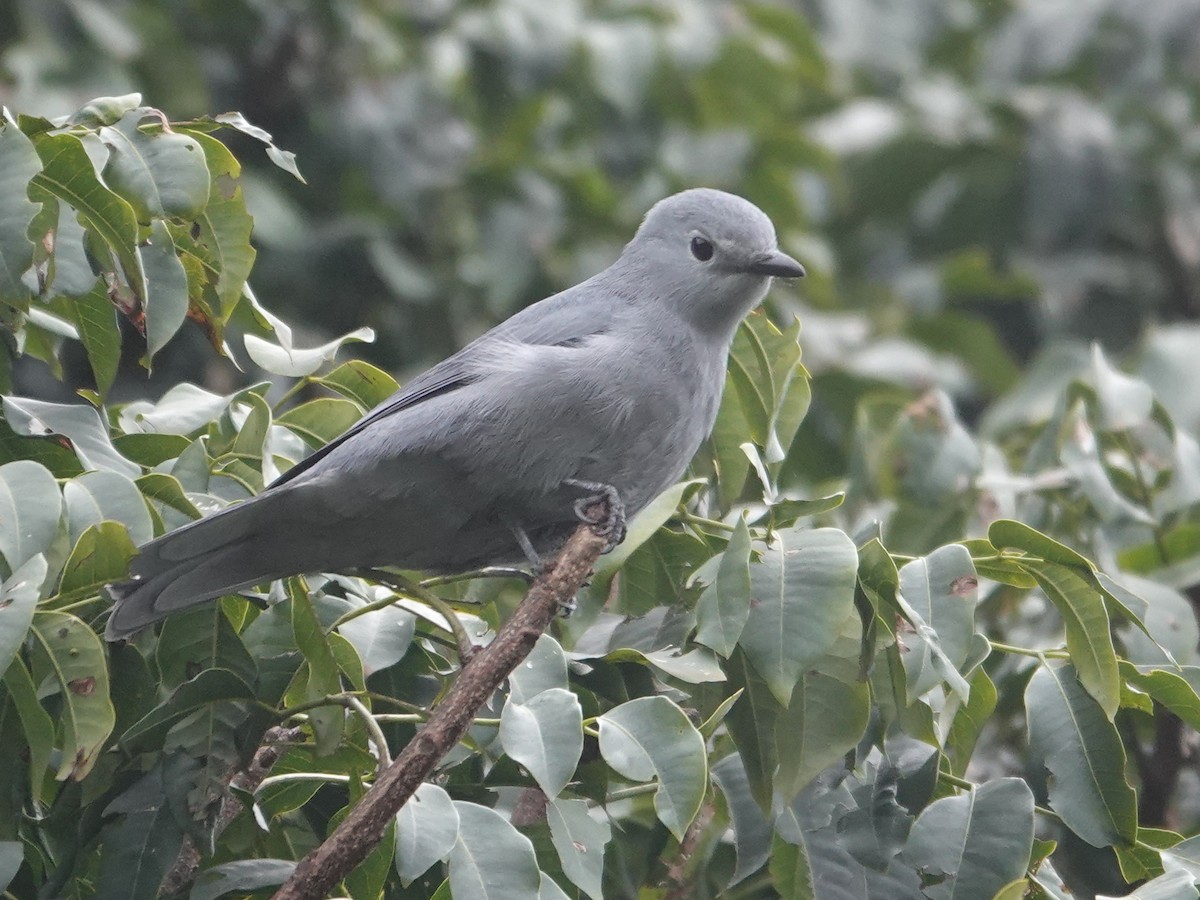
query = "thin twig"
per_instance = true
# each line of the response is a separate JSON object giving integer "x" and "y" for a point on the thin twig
{"x": 362, "y": 829}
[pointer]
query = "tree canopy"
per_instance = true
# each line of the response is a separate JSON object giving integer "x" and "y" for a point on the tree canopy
{"x": 920, "y": 622}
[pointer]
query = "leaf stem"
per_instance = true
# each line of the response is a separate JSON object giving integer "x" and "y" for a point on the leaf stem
{"x": 373, "y": 731}
{"x": 1147, "y": 497}
{"x": 701, "y": 522}
{"x": 1026, "y": 651}
{"x": 636, "y": 790}
{"x": 301, "y": 384}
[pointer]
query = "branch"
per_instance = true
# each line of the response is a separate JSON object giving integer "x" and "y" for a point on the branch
{"x": 183, "y": 872}
{"x": 364, "y": 827}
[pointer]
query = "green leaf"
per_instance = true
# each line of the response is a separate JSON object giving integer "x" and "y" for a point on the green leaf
{"x": 728, "y": 434}
{"x": 241, "y": 876}
{"x": 285, "y": 159}
{"x": 197, "y": 639}
{"x": 545, "y": 735}
{"x": 85, "y": 432}
{"x": 213, "y": 685}
{"x": 18, "y": 598}
{"x": 320, "y": 421}
{"x": 223, "y": 246}
{"x": 802, "y": 592}
{"x": 491, "y": 860}
{"x": 166, "y": 302}
{"x": 426, "y": 831}
{"x": 1169, "y": 886}
{"x": 380, "y": 637}
{"x": 724, "y": 605}
{"x": 969, "y": 721}
{"x": 791, "y": 876}
{"x": 68, "y": 175}
{"x": 74, "y": 655}
{"x": 167, "y": 490}
{"x": 1081, "y": 748}
{"x": 580, "y": 841}
{"x": 323, "y": 676}
{"x": 751, "y": 830}
{"x": 95, "y": 318}
{"x": 942, "y": 588}
{"x": 652, "y": 738}
{"x": 158, "y": 171}
{"x": 100, "y": 556}
{"x": 752, "y": 725}
{"x": 30, "y": 509}
{"x": 35, "y": 723}
{"x": 19, "y": 164}
{"x": 141, "y": 844}
{"x": 826, "y": 718}
{"x": 361, "y": 382}
{"x": 976, "y": 842}
{"x": 95, "y": 497}
{"x": 1176, "y": 690}
{"x": 544, "y": 668}
{"x": 1089, "y": 636}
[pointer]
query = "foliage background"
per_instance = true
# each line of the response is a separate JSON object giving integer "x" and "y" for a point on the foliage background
{"x": 978, "y": 189}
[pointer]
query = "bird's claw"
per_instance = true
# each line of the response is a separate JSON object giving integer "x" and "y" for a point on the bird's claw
{"x": 611, "y": 524}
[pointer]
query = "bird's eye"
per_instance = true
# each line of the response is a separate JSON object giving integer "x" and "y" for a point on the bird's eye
{"x": 702, "y": 249}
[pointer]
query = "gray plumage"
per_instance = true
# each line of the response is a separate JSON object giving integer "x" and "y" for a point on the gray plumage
{"x": 614, "y": 381}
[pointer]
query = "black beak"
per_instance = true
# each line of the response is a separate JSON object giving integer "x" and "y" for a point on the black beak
{"x": 778, "y": 264}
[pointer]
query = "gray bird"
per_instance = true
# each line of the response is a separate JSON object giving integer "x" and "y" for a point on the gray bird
{"x": 603, "y": 391}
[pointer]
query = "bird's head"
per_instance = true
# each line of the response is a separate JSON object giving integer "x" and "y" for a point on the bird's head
{"x": 711, "y": 255}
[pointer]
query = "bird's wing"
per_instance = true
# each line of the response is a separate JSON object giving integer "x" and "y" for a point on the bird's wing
{"x": 561, "y": 320}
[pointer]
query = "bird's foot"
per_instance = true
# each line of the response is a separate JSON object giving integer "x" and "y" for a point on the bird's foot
{"x": 610, "y": 521}
{"x": 535, "y": 559}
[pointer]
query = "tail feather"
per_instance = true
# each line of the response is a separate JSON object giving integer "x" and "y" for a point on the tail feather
{"x": 217, "y": 555}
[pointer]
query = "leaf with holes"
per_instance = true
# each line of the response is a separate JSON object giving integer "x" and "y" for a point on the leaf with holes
{"x": 72, "y": 654}
{"x": 976, "y": 842}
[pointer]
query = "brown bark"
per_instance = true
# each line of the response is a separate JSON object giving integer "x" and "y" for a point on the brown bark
{"x": 364, "y": 827}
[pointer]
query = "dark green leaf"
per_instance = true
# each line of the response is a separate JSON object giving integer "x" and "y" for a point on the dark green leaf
{"x": 323, "y": 677}
{"x": 19, "y": 163}
{"x": 68, "y": 175}
{"x": 95, "y": 317}
{"x": 158, "y": 171}
{"x": 1082, "y": 750}
{"x": 242, "y": 875}
{"x": 166, "y": 302}
{"x": 724, "y": 605}
{"x": 802, "y": 593}
{"x": 36, "y": 724}
{"x": 1089, "y": 636}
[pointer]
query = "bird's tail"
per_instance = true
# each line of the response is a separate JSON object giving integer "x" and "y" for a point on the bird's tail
{"x": 236, "y": 548}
